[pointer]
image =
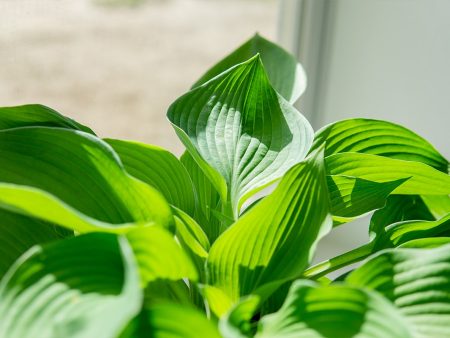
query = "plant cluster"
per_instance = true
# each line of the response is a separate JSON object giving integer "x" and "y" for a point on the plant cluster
{"x": 113, "y": 238}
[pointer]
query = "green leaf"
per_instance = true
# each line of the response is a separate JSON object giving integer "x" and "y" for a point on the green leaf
{"x": 423, "y": 179}
{"x": 242, "y": 134}
{"x": 36, "y": 115}
{"x": 208, "y": 199}
{"x": 439, "y": 206}
{"x": 315, "y": 311}
{"x": 416, "y": 281}
{"x": 378, "y": 138}
{"x": 353, "y": 196}
{"x": 19, "y": 233}
{"x": 75, "y": 180}
{"x": 158, "y": 168}
{"x": 170, "y": 321}
{"x": 86, "y": 286}
{"x": 402, "y": 232}
{"x": 275, "y": 240}
{"x": 426, "y": 243}
{"x": 285, "y": 74}
{"x": 159, "y": 256}
{"x": 192, "y": 239}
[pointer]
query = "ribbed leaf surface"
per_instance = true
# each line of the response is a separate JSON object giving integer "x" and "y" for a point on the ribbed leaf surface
{"x": 87, "y": 286}
{"x": 312, "y": 311}
{"x": 170, "y": 321}
{"x": 79, "y": 170}
{"x": 36, "y": 115}
{"x": 274, "y": 241}
{"x": 417, "y": 282}
{"x": 285, "y": 74}
{"x": 422, "y": 179}
{"x": 378, "y": 138}
{"x": 158, "y": 168}
{"x": 240, "y": 131}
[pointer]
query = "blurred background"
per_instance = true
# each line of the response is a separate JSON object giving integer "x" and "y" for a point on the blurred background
{"x": 116, "y": 65}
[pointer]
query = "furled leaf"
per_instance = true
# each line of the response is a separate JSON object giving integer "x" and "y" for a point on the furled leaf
{"x": 416, "y": 281}
{"x": 159, "y": 256}
{"x": 192, "y": 239}
{"x": 242, "y": 134}
{"x": 86, "y": 286}
{"x": 315, "y": 311}
{"x": 285, "y": 74}
{"x": 274, "y": 241}
{"x": 158, "y": 168}
{"x": 36, "y": 115}
{"x": 422, "y": 179}
{"x": 73, "y": 179}
{"x": 208, "y": 199}
{"x": 378, "y": 138}
{"x": 170, "y": 321}
{"x": 19, "y": 233}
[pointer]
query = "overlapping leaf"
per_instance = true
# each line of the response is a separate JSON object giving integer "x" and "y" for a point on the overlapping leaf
{"x": 285, "y": 74}
{"x": 416, "y": 281}
{"x": 86, "y": 286}
{"x": 75, "y": 180}
{"x": 274, "y": 241}
{"x": 158, "y": 168}
{"x": 170, "y": 321}
{"x": 315, "y": 311}
{"x": 36, "y": 115}
{"x": 19, "y": 233}
{"x": 240, "y": 131}
{"x": 378, "y": 138}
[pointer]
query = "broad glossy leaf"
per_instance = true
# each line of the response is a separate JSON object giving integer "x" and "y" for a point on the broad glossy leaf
{"x": 36, "y": 115}
{"x": 416, "y": 281}
{"x": 19, "y": 233}
{"x": 422, "y": 179}
{"x": 285, "y": 74}
{"x": 159, "y": 256}
{"x": 426, "y": 243}
{"x": 353, "y": 196}
{"x": 438, "y": 206}
{"x": 378, "y": 138}
{"x": 208, "y": 199}
{"x": 242, "y": 134}
{"x": 86, "y": 286}
{"x": 158, "y": 168}
{"x": 77, "y": 175}
{"x": 402, "y": 232}
{"x": 315, "y": 311}
{"x": 275, "y": 240}
{"x": 170, "y": 321}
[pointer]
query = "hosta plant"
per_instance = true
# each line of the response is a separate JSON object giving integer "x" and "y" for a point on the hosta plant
{"x": 113, "y": 238}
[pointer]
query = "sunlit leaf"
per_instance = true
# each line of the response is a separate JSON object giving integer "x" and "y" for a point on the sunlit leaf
{"x": 86, "y": 286}
{"x": 242, "y": 134}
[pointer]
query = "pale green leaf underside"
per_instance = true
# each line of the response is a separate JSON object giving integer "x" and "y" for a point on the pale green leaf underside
{"x": 79, "y": 170}
{"x": 378, "y": 138}
{"x": 158, "y": 168}
{"x": 274, "y": 241}
{"x": 417, "y": 282}
{"x": 159, "y": 256}
{"x": 86, "y": 286}
{"x": 36, "y": 115}
{"x": 422, "y": 179}
{"x": 239, "y": 126}
{"x": 170, "y": 321}
{"x": 313, "y": 311}
{"x": 285, "y": 74}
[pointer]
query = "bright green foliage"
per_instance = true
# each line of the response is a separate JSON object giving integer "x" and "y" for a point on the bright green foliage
{"x": 112, "y": 238}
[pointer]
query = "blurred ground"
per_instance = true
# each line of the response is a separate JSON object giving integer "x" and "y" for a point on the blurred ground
{"x": 117, "y": 68}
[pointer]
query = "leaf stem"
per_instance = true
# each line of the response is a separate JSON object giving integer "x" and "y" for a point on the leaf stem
{"x": 335, "y": 263}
